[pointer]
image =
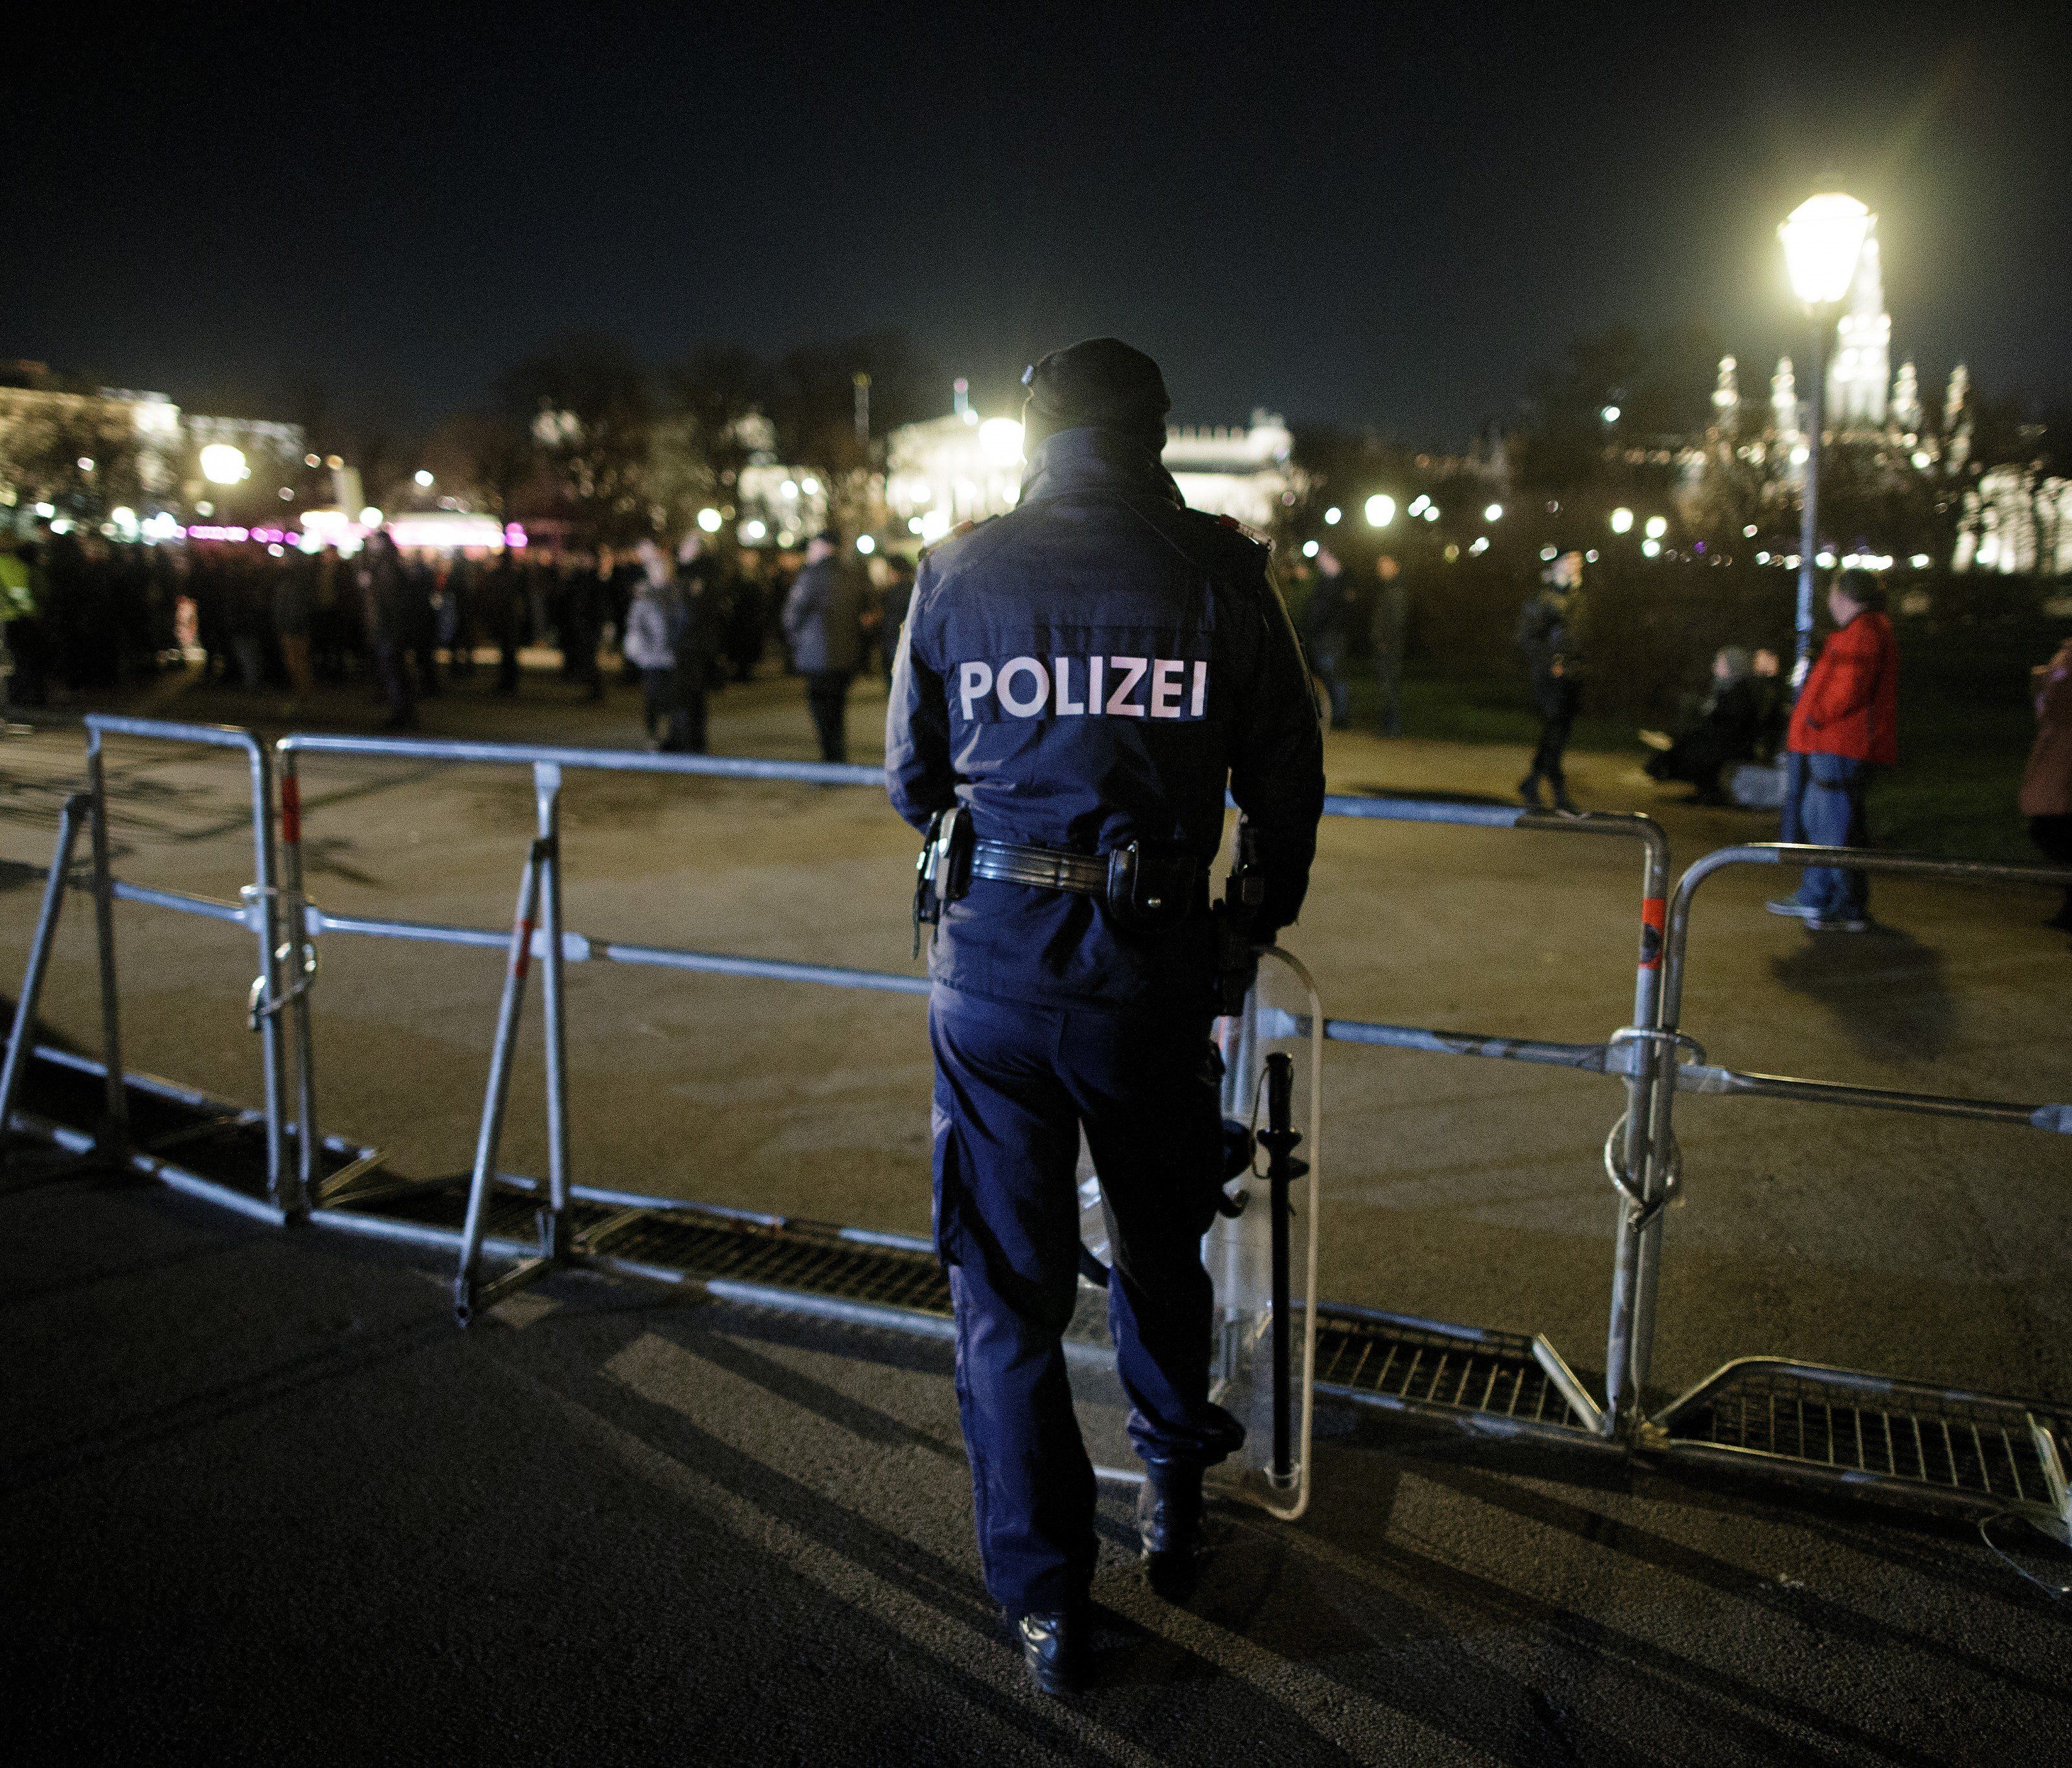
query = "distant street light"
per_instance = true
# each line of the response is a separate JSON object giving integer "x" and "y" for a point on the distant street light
{"x": 999, "y": 443}
{"x": 1657, "y": 527}
{"x": 1332, "y": 517}
{"x": 709, "y": 520}
{"x": 423, "y": 476}
{"x": 1493, "y": 513}
{"x": 1610, "y": 415}
{"x": 222, "y": 464}
{"x": 1622, "y": 520}
{"x": 865, "y": 545}
{"x": 1380, "y": 510}
{"x": 1823, "y": 240}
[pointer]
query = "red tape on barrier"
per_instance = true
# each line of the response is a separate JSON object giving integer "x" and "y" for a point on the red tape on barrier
{"x": 1651, "y": 919}
{"x": 291, "y": 811}
{"x": 524, "y": 953}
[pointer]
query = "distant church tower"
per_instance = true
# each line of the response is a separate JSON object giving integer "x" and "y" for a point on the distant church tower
{"x": 1957, "y": 418}
{"x": 1861, "y": 373}
{"x": 1907, "y": 416}
{"x": 1727, "y": 400}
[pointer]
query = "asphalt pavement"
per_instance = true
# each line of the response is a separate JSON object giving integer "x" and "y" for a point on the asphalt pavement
{"x": 269, "y": 1498}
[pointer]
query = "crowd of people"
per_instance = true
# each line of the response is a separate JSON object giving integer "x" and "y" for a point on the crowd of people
{"x": 83, "y": 616}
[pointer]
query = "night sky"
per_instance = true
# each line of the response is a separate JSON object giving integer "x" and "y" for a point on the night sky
{"x": 1382, "y": 215}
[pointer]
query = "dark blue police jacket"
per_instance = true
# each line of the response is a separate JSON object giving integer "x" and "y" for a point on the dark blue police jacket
{"x": 1089, "y": 670}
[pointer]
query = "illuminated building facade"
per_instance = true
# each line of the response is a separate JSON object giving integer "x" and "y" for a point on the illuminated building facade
{"x": 959, "y": 468}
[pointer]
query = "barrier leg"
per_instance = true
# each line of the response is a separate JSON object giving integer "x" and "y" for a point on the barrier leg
{"x": 112, "y": 1137}
{"x": 1631, "y": 1330}
{"x": 301, "y": 968}
{"x": 553, "y": 1218}
{"x": 281, "y": 1182}
{"x": 22, "y": 1037}
{"x": 469, "y": 1294}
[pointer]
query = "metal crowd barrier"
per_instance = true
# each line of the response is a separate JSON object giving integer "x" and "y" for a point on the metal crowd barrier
{"x": 1949, "y": 1447}
{"x": 1499, "y": 1381}
{"x": 1752, "y": 1413}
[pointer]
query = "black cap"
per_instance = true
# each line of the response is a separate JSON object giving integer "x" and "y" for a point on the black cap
{"x": 1100, "y": 383}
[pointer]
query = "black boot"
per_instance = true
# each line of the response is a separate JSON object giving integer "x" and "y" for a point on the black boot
{"x": 1528, "y": 789}
{"x": 1054, "y": 1648}
{"x": 1168, "y": 1522}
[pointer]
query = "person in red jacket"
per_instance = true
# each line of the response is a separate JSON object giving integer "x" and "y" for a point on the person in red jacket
{"x": 1846, "y": 723}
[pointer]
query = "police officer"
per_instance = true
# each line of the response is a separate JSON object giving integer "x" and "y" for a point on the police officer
{"x": 1077, "y": 682}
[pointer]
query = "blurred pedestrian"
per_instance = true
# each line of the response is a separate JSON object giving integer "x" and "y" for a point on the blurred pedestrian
{"x": 294, "y": 602}
{"x": 1549, "y": 639}
{"x": 697, "y": 634}
{"x": 653, "y": 624}
{"x": 745, "y": 617}
{"x": 896, "y": 596}
{"x": 1327, "y": 630}
{"x": 21, "y": 625}
{"x": 503, "y": 601}
{"x": 1846, "y": 724}
{"x": 1724, "y": 728}
{"x": 823, "y": 622}
{"x": 2046, "y": 784}
{"x": 1388, "y": 627}
{"x": 387, "y": 597}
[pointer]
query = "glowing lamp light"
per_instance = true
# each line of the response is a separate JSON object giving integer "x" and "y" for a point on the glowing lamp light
{"x": 1823, "y": 238}
{"x": 1380, "y": 510}
{"x": 1610, "y": 415}
{"x": 1481, "y": 545}
{"x": 86, "y": 463}
{"x": 1919, "y": 561}
{"x": 423, "y": 478}
{"x": 1332, "y": 517}
{"x": 865, "y": 545}
{"x": 1651, "y": 549}
{"x": 914, "y": 525}
{"x": 1000, "y": 441}
{"x": 1825, "y": 561}
{"x": 1762, "y": 558}
{"x": 1418, "y": 505}
{"x": 1493, "y": 513}
{"x": 1431, "y": 512}
{"x": 753, "y": 530}
{"x": 1657, "y": 527}
{"x": 1921, "y": 459}
{"x": 709, "y": 520}
{"x": 122, "y": 516}
{"x": 1547, "y": 555}
{"x": 1309, "y": 549}
{"x": 370, "y": 517}
{"x": 221, "y": 464}
{"x": 810, "y": 486}
{"x": 1748, "y": 533}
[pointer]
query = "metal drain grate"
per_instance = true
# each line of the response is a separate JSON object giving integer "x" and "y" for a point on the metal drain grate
{"x": 1500, "y": 1380}
{"x": 802, "y": 1257}
{"x": 814, "y": 1262}
{"x": 1969, "y": 1447}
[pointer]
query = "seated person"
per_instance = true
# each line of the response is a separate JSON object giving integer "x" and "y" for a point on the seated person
{"x": 1725, "y": 728}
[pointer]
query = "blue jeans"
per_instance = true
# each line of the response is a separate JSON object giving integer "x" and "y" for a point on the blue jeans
{"x": 1015, "y": 1084}
{"x": 1830, "y": 814}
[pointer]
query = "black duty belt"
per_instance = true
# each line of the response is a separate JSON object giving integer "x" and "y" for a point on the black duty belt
{"x": 1047, "y": 867}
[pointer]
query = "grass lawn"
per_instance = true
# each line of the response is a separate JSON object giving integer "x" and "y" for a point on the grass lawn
{"x": 1953, "y": 793}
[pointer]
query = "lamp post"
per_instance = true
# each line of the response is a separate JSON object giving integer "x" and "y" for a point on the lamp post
{"x": 1823, "y": 239}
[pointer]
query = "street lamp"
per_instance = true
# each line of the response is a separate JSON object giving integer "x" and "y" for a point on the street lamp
{"x": 1380, "y": 510}
{"x": 1622, "y": 520}
{"x": 1823, "y": 239}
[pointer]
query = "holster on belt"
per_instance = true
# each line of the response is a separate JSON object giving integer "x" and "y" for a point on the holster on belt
{"x": 942, "y": 871}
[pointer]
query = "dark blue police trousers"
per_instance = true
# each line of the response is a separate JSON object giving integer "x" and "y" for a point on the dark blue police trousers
{"x": 1015, "y": 1086}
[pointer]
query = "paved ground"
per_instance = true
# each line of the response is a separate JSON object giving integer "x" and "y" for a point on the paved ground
{"x": 265, "y": 1500}
{"x": 1436, "y": 1604}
